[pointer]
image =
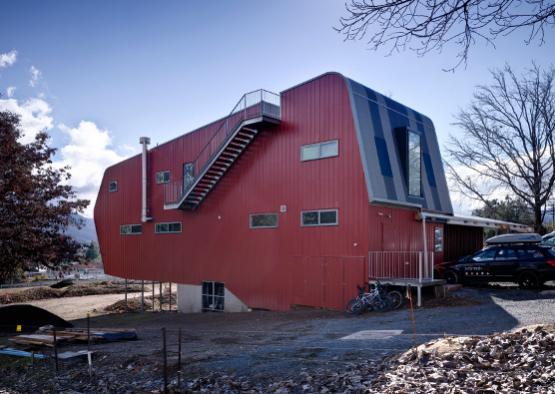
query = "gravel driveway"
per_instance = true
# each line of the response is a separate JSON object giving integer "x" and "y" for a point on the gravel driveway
{"x": 279, "y": 343}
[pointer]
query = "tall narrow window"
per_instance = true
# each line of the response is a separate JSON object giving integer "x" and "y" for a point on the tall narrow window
{"x": 438, "y": 239}
{"x": 188, "y": 175}
{"x": 414, "y": 164}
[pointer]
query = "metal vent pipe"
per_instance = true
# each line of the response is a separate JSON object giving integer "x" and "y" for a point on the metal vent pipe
{"x": 144, "y": 141}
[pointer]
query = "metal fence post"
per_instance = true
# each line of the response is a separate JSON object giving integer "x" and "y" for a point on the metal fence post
{"x": 170, "y": 300}
{"x": 179, "y": 359}
{"x": 126, "y": 305}
{"x": 160, "y": 296}
{"x": 142, "y": 296}
{"x": 55, "y": 349}
{"x": 164, "y": 352}
{"x": 420, "y": 267}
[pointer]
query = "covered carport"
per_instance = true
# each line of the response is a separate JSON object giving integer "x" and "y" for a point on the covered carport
{"x": 464, "y": 235}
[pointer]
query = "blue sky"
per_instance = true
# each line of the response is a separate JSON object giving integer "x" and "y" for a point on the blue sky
{"x": 110, "y": 72}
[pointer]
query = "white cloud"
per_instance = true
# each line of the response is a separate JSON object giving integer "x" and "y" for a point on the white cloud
{"x": 7, "y": 59}
{"x": 88, "y": 153}
{"x": 36, "y": 74}
{"x": 10, "y": 91}
{"x": 35, "y": 116}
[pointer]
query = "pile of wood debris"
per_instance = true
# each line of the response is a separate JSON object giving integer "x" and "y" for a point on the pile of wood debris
{"x": 45, "y": 336}
{"x": 514, "y": 362}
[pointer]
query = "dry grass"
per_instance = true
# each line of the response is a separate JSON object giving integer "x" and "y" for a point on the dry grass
{"x": 42, "y": 293}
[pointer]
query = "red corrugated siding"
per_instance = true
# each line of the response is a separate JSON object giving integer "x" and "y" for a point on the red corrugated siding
{"x": 396, "y": 229}
{"x": 259, "y": 266}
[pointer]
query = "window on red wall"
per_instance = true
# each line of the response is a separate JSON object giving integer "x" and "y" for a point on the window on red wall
{"x": 438, "y": 239}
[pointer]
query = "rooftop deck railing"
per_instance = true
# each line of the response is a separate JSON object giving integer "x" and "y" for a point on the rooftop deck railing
{"x": 253, "y": 105}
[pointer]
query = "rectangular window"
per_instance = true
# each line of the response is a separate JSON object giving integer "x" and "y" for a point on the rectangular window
{"x": 113, "y": 186}
{"x": 188, "y": 175}
{"x": 213, "y": 295}
{"x": 263, "y": 220}
{"x": 162, "y": 177}
{"x": 438, "y": 239}
{"x": 414, "y": 164}
{"x": 130, "y": 229}
{"x": 320, "y": 150}
{"x": 322, "y": 217}
{"x": 168, "y": 228}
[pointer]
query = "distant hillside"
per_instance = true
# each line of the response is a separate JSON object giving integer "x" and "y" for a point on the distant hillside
{"x": 86, "y": 234}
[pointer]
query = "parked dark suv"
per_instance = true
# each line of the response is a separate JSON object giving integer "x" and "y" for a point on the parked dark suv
{"x": 529, "y": 265}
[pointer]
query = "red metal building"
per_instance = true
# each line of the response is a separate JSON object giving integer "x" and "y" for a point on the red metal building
{"x": 291, "y": 199}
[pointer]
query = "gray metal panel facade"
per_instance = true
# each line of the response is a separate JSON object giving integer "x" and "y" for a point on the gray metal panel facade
{"x": 376, "y": 119}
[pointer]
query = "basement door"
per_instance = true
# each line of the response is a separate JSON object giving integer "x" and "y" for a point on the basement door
{"x": 213, "y": 294}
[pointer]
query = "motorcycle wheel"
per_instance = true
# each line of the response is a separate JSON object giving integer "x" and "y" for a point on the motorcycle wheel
{"x": 354, "y": 307}
{"x": 395, "y": 298}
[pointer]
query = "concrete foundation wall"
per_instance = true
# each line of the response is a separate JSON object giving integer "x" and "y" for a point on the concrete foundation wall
{"x": 189, "y": 300}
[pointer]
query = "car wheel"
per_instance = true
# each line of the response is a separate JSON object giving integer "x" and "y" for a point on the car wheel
{"x": 529, "y": 280}
{"x": 451, "y": 277}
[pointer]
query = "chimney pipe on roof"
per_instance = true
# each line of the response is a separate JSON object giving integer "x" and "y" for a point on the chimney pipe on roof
{"x": 144, "y": 141}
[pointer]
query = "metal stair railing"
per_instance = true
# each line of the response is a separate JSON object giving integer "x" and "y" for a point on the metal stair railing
{"x": 256, "y": 104}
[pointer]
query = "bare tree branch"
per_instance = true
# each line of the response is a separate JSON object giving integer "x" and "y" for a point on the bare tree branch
{"x": 507, "y": 140}
{"x": 431, "y": 24}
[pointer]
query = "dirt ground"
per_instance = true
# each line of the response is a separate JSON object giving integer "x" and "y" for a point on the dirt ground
{"x": 72, "y": 308}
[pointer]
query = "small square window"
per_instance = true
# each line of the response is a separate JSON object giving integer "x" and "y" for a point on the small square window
{"x": 310, "y": 218}
{"x": 113, "y": 186}
{"x": 131, "y": 229}
{"x": 310, "y": 152}
{"x": 162, "y": 177}
{"x": 328, "y": 217}
{"x": 264, "y": 220}
{"x": 322, "y": 217}
{"x": 168, "y": 228}
{"x": 320, "y": 150}
{"x": 328, "y": 149}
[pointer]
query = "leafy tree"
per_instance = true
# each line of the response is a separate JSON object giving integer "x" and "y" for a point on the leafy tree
{"x": 36, "y": 203}
{"x": 507, "y": 140}
{"x": 91, "y": 252}
{"x": 510, "y": 209}
{"x": 425, "y": 25}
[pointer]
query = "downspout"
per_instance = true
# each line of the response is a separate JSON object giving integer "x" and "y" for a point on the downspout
{"x": 424, "y": 245}
{"x": 144, "y": 141}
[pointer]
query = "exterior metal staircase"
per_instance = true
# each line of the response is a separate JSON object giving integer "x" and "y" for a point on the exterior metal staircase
{"x": 254, "y": 110}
